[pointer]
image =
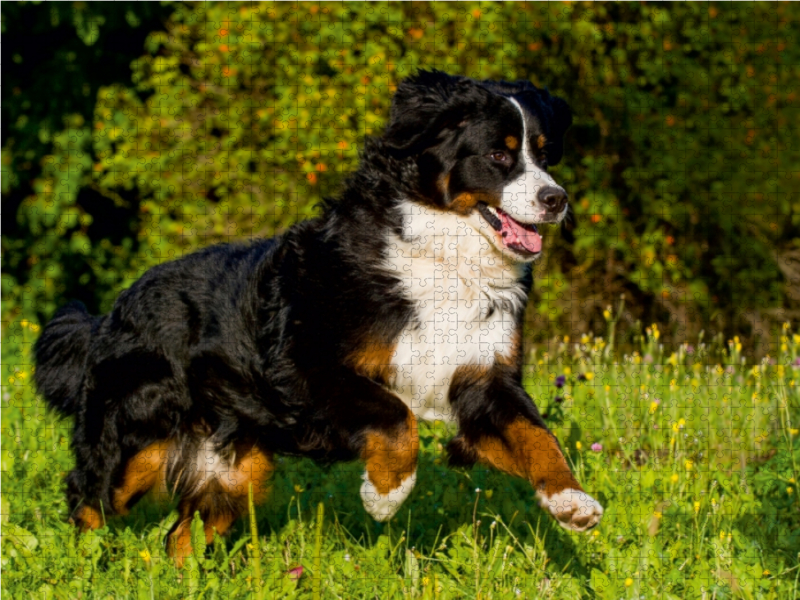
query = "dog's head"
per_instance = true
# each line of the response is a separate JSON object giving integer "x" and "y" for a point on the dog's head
{"x": 482, "y": 150}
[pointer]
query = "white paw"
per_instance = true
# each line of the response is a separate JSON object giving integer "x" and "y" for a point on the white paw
{"x": 573, "y": 509}
{"x": 383, "y": 507}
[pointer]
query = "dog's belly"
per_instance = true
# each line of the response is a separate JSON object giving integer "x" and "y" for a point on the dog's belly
{"x": 428, "y": 354}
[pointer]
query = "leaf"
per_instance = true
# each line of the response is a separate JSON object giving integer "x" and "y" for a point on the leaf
{"x": 198, "y": 536}
{"x": 22, "y": 539}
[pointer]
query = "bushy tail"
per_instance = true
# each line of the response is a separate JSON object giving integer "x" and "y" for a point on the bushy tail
{"x": 61, "y": 353}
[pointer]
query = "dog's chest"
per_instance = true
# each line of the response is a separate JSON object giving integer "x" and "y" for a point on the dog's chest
{"x": 465, "y": 303}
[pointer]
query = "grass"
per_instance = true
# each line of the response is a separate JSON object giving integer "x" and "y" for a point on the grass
{"x": 694, "y": 454}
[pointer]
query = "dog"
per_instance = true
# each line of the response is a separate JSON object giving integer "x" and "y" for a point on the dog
{"x": 403, "y": 301}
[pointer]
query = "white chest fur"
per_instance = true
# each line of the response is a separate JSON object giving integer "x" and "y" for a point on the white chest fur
{"x": 465, "y": 295}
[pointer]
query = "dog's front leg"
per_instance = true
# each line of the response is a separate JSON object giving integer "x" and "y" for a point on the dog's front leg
{"x": 380, "y": 429}
{"x": 499, "y": 425}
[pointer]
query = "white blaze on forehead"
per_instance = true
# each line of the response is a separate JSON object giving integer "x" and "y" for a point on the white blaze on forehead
{"x": 519, "y": 196}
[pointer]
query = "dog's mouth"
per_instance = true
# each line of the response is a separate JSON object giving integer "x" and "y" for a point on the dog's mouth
{"x": 522, "y": 238}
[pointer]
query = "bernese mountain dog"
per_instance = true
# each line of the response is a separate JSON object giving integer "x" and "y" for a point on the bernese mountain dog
{"x": 404, "y": 300}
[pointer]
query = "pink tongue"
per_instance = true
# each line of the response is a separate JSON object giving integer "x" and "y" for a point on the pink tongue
{"x": 514, "y": 234}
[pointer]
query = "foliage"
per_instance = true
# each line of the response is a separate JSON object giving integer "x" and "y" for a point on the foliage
{"x": 241, "y": 116}
{"x": 673, "y": 443}
{"x": 59, "y": 234}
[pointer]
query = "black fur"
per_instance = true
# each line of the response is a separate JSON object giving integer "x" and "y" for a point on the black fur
{"x": 252, "y": 342}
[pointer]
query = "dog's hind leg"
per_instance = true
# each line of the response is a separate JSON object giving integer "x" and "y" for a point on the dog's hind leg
{"x": 145, "y": 470}
{"x": 220, "y": 494}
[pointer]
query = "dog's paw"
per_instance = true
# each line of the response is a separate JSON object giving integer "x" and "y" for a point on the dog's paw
{"x": 383, "y": 507}
{"x": 573, "y": 509}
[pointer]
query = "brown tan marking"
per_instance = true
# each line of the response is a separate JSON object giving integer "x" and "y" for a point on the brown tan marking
{"x": 466, "y": 201}
{"x": 392, "y": 457}
{"x": 512, "y": 142}
{"x": 88, "y": 518}
{"x": 532, "y": 452}
{"x": 541, "y": 141}
{"x": 221, "y": 501}
{"x": 444, "y": 185}
{"x": 374, "y": 360}
{"x": 142, "y": 472}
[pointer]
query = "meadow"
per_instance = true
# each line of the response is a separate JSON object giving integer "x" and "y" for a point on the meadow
{"x": 693, "y": 451}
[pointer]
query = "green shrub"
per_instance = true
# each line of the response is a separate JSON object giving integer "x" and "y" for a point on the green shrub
{"x": 241, "y": 116}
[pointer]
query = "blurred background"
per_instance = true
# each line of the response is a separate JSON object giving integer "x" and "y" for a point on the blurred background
{"x": 136, "y": 132}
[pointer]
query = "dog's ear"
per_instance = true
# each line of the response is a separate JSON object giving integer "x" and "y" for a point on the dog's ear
{"x": 427, "y": 104}
{"x": 560, "y": 121}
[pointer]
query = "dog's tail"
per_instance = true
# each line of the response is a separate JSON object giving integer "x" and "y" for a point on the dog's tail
{"x": 60, "y": 354}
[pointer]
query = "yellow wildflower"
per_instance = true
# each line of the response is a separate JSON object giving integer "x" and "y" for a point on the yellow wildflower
{"x": 689, "y": 464}
{"x": 696, "y": 507}
{"x": 578, "y": 445}
{"x": 674, "y": 478}
{"x": 628, "y": 582}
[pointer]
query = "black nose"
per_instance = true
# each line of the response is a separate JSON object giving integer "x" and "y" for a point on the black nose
{"x": 553, "y": 198}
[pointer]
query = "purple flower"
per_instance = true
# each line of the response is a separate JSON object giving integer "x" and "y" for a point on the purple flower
{"x": 581, "y": 377}
{"x": 560, "y": 381}
{"x": 596, "y": 447}
{"x": 689, "y": 349}
{"x": 796, "y": 362}
{"x": 558, "y": 399}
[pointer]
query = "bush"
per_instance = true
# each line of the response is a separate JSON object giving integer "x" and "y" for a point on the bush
{"x": 242, "y": 116}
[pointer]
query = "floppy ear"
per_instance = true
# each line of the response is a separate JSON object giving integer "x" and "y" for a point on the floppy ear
{"x": 426, "y": 104}
{"x": 561, "y": 120}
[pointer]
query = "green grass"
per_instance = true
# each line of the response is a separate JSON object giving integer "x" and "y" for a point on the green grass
{"x": 697, "y": 474}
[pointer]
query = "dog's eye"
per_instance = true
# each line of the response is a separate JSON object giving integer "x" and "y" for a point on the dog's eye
{"x": 499, "y": 156}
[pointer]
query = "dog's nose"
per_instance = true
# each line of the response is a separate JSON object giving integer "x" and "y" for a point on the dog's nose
{"x": 554, "y": 199}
